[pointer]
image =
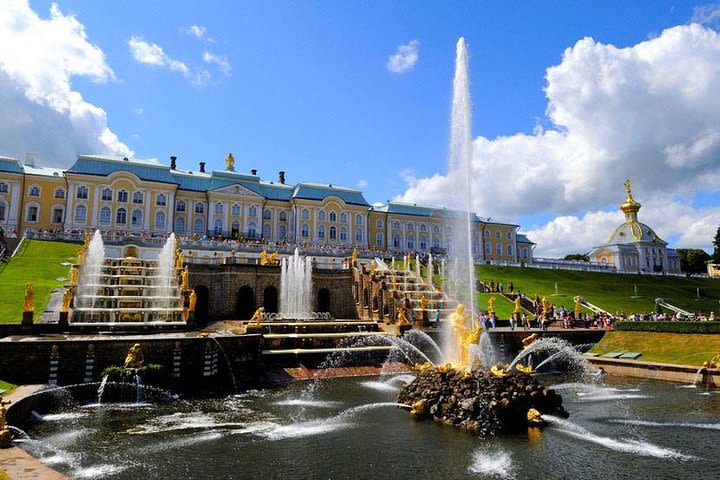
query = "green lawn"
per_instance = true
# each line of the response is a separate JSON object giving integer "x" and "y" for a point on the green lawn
{"x": 37, "y": 262}
{"x": 609, "y": 291}
{"x": 8, "y": 387}
{"x": 678, "y": 348}
{"x": 503, "y": 306}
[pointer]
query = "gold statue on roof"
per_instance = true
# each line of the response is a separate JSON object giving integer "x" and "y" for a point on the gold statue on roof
{"x": 230, "y": 163}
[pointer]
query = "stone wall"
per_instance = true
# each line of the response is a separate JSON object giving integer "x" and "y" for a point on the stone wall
{"x": 235, "y": 291}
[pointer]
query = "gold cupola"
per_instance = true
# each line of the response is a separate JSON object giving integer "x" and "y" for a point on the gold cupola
{"x": 630, "y": 207}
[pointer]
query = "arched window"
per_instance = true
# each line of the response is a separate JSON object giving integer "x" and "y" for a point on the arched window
{"x": 379, "y": 239}
{"x": 138, "y": 197}
{"x": 80, "y": 214}
{"x": 358, "y": 235}
{"x": 252, "y": 230}
{"x": 333, "y": 217}
{"x": 34, "y": 191}
{"x": 235, "y": 210}
{"x": 252, "y": 211}
{"x": 510, "y": 250}
{"x": 180, "y": 225}
{"x": 283, "y": 216}
{"x": 321, "y": 216}
{"x": 33, "y": 211}
{"x": 343, "y": 217}
{"x": 498, "y": 248}
{"x": 105, "y": 195}
{"x": 305, "y": 231}
{"x": 396, "y": 225}
{"x": 267, "y": 232}
{"x": 379, "y": 223}
{"x": 219, "y": 208}
{"x": 423, "y": 227}
{"x": 436, "y": 229}
{"x": 121, "y": 216}
{"x": 508, "y": 236}
{"x": 105, "y": 215}
{"x": 218, "y": 230}
{"x": 199, "y": 208}
{"x": 498, "y": 234}
{"x": 282, "y": 232}
{"x": 305, "y": 214}
{"x": 235, "y": 228}
{"x": 160, "y": 199}
{"x": 358, "y": 219}
{"x": 180, "y": 206}
{"x": 199, "y": 226}
{"x": 136, "y": 218}
{"x": 487, "y": 233}
{"x": 396, "y": 241}
{"x": 410, "y": 227}
{"x": 122, "y": 196}
{"x": 423, "y": 242}
{"x": 488, "y": 248}
{"x": 333, "y": 233}
{"x": 160, "y": 220}
{"x": 59, "y": 193}
{"x": 343, "y": 234}
{"x": 321, "y": 231}
{"x": 436, "y": 242}
{"x": 411, "y": 242}
{"x": 82, "y": 192}
{"x": 267, "y": 214}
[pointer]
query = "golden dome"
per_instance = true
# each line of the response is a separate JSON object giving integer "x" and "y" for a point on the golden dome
{"x": 630, "y": 206}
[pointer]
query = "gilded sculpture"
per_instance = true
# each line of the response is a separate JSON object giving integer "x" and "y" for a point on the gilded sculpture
{"x": 257, "y": 316}
{"x": 230, "y": 163}
{"x": 66, "y": 300}
{"x": 423, "y": 302}
{"x": 517, "y": 305}
{"x": 269, "y": 259}
{"x": 5, "y": 435}
{"x": 29, "y": 304}
{"x": 193, "y": 301}
{"x": 134, "y": 358}
{"x": 184, "y": 278}
{"x": 401, "y": 318}
{"x": 74, "y": 275}
{"x": 491, "y": 304}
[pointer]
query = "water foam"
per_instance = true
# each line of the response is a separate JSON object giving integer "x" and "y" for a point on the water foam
{"x": 647, "y": 423}
{"x": 301, "y": 402}
{"x": 98, "y": 471}
{"x": 497, "y": 464}
{"x": 58, "y": 417}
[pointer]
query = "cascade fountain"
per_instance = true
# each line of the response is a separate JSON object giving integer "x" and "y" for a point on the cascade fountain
{"x": 430, "y": 270}
{"x": 295, "y": 287}
{"x": 91, "y": 272}
{"x": 166, "y": 274}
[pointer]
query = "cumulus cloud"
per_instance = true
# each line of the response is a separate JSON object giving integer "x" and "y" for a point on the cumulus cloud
{"x": 153, "y": 54}
{"x": 197, "y": 31}
{"x": 41, "y": 113}
{"x": 648, "y": 112}
{"x": 404, "y": 58}
{"x": 221, "y": 62}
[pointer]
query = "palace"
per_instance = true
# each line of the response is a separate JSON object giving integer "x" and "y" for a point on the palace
{"x": 131, "y": 195}
{"x": 635, "y": 247}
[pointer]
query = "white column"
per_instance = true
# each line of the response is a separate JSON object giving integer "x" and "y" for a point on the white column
{"x": 14, "y": 207}
{"x": 95, "y": 205}
{"x": 226, "y": 211}
{"x": 146, "y": 215}
{"x": 70, "y": 212}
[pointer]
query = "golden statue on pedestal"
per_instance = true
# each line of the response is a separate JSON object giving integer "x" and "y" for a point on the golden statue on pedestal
{"x": 66, "y": 299}
{"x": 257, "y": 316}
{"x": 74, "y": 275}
{"x": 29, "y": 304}
{"x": 491, "y": 304}
{"x": 517, "y": 305}
{"x": 193, "y": 301}
{"x": 354, "y": 257}
{"x": 179, "y": 259}
{"x": 423, "y": 302}
{"x": 401, "y": 318}
{"x": 5, "y": 435}
{"x": 408, "y": 260}
{"x": 81, "y": 256}
{"x": 578, "y": 308}
{"x": 134, "y": 358}
{"x": 464, "y": 336}
{"x": 184, "y": 278}
{"x": 269, "y": 259}
{"x": 230, "y": 163}
{"x": 544, "y": 307}
{"x": 372, "y": 269}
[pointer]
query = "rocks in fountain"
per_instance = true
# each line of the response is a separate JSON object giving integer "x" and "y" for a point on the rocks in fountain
{"x": 479, "y": 401}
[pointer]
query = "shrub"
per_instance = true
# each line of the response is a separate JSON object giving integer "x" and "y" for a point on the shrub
{"x": 669, "y": 327}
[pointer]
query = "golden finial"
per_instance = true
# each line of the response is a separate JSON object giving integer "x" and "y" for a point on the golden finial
{"x": 630, "y": 207}
{"x": 230, "y": 163}
{"x": 628, "y": 187}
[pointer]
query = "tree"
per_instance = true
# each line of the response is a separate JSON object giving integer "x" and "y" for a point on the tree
{"x": 716, "y": 244}
{"x": 578, "y": 257}
{"x": 692, "y": 260}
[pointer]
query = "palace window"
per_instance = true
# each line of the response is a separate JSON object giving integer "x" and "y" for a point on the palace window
{"x": 105, "y": 215}
{"x": 396, "y": 225}
{"x": 510, "y": 250}
{"x": 507, "y": 235}
{"x": 410, "y": 227}
{"x": 57, "y": 216}
{"x": 199, "y": 226}
{"x": 60, "y": 193}
{"x": 252, "y": 211}
{"x": 321, "y": 231}
{"x": 488, "y": 248}
{"x": 359, "y": 235}
{"x": 161, "y": 200}
{"x": 498, "y": 248}
{"x": 343, "y": 217}
{"x": 121, "y": 216}
{"x": 436, "y": 242}
{"x": 160, "y": 220}
{"x": 423, "y": 227}
{"x": 32, "y": 213}
{"x": 305, "y": 231}
{"x": 305, "y": 215}
{"x": 379, "y": 239}
{"x": 82, "y": 192}
{"x": 358, "y": 219}
{"x": 333, "y": 233}
{"x": 106, "y": 194}
{"x": 333, "y": 217}
{"x": 34, "y": 191}
{"x": 343, "y": 234}
{"x": 436, "y": 229}
{"x": 180, "y": 206}
{"x": 219, "y": 208}
{"x": 199, "y": 208}
{"x": 321, "y": 216}
{"x": 282, "y": 232}
{"x": 122, "y": 196}
{"x": 235, "y": 209}
{"x": 180, "y": 225}
{"x": 267, "y": 214}
{"x": 423, "y": 243}
{"x": 80, "y": 214}
{"x": 379, "y": 224}
{"x": 218, "y": 227}
{"x": 137, "y": 197}
{"x": 487, "y": 233}
{"x": 252, "y": 231}
{"x": 3, "y": 187}
{"x": 266, "y": 231}
{"x": 498, "y": 234}
{"x": 396, "y": 241}
{"x": 283, "y": 216}
{"x": 411, "y": 243}
{"x": 136, "y": 218}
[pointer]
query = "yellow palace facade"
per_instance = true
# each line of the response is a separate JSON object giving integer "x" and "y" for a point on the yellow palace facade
{"x": 130, "y": 195}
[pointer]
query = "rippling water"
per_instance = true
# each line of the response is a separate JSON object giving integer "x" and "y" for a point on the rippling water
{"x": 349, "y": 428}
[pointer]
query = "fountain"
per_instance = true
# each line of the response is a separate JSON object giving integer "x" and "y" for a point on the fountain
{"x": 295, "y": 287}
{"x": 91, "y": 273}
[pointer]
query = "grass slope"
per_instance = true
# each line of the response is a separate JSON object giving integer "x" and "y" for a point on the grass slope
{"x": 678, "y": 348}
{"x": 609, "y": 291}
{"x": 37, "y": 262}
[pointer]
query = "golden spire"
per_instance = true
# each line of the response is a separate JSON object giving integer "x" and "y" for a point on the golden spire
{"x": 630, "y": 207}
{"x": 230, "y": 163}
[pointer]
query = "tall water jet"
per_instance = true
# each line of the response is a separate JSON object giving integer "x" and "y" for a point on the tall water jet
{"x": 429, "y": 271}
{"x": 295, "y": 286}
{"x": 460, "y": 283}
{"x": 92, "y": 271}
{"x": 166, "y": 274}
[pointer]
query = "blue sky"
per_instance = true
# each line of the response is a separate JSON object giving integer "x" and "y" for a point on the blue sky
{"x": 305, "y": 87}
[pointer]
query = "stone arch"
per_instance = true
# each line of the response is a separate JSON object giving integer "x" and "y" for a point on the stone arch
{"x": 201, "y": 304}
{"x": 323, "y": 300}
{"x": 270, "y": 299}
{"x": 245, "y": 303}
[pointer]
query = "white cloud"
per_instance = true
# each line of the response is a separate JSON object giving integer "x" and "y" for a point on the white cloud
{"x": 708, "y": 15}
{"x": 404, "y": 58}
{"x": 362, "y": 183}
{"x": 41, "y": 113}
{"x": 197, "y": 31}
{"x": 139, "y": 111}
{"x": 648, "y": 112}
{"x": 222, "y": 62}
{"x": 153, "y": 54}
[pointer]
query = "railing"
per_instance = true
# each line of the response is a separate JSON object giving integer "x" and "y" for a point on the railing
{"x": 664, "y": 304}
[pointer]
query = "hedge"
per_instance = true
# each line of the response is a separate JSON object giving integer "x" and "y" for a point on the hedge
{"x": 669, "y": 327}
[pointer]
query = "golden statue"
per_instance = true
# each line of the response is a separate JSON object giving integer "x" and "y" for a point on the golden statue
{"x": 372, "y": 269}
{"x": 529, "y": 339}
{"x": 419, "y": 367}
{"x": 29, "y": 305}
{"x": 271, "y": 259}
{"x": 544, "y": 307}
{"x": 394, "y": 283}
{"x": 522, "y": 369}
{"x": 257, "y": 316}
{"x": 401, "y": 318}
{"x": 517, "y": 305}
{"x": 66, "y": 299}
{"x": 134, "y": 358}
{"x": 184, "y": 278}
{"x": 419, "y": 407}
{"x": 193, "y": 301}
{"x": 423, "y": 302}
{"x": 354, "y": 257}
{"x": 491, "y": 304}
{"x": 230, "y": 163}
{"x": 577, "y": 308}
{"x": 534, "y": 418}
{"x": 179, "y": 259}
{"x": 408, "y": 260}
{"x": 464, "y": 336}
{"x": 628, "y": 187}
{"x": 498, "y": 371}
{"x": 86, "y": 240}
{"x": 81, "y": 256}
{"x": 5, "y": 435}
{"x": 74, "y": 275}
